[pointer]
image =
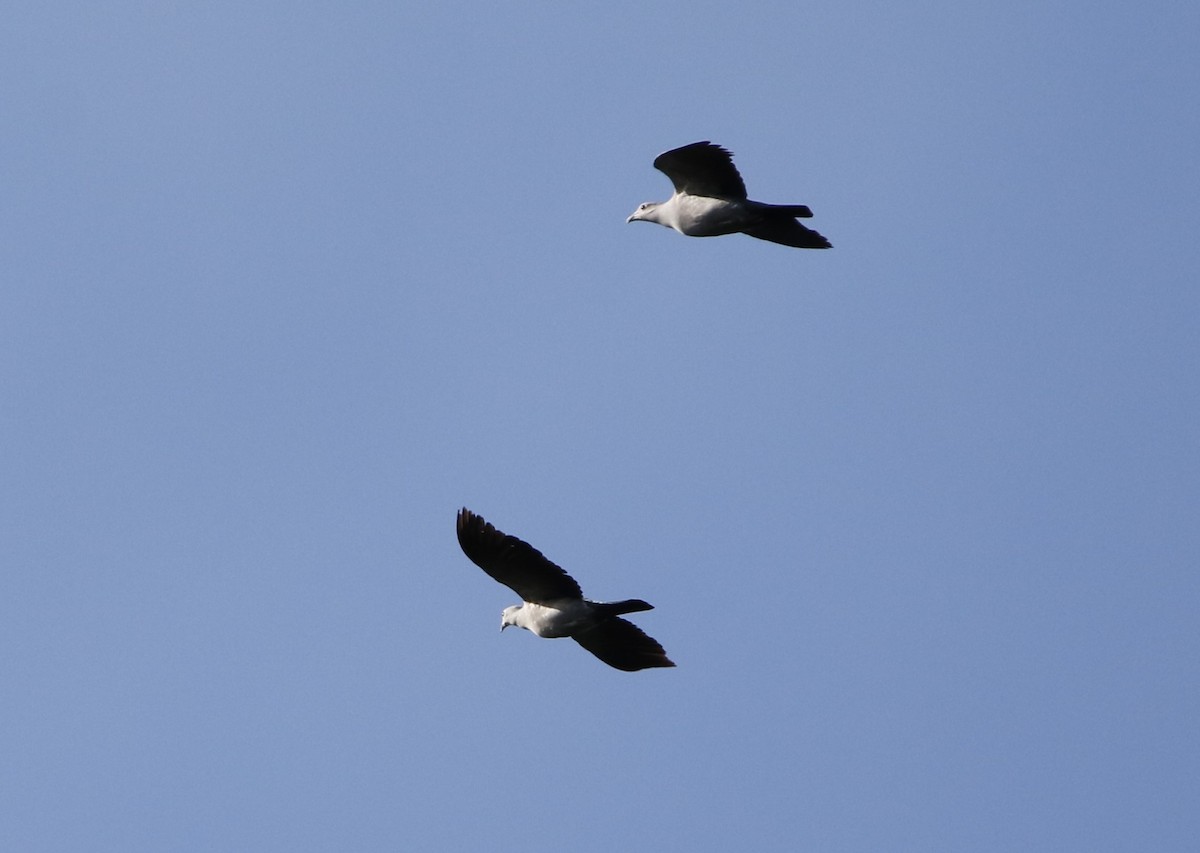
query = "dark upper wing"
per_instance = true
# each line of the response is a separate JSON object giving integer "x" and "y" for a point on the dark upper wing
{"x": 516, "y": 564}
{"x": 623, "y": 645}
{"x": 702, "y": 169}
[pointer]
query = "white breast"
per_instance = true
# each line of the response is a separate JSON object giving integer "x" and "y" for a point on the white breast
{"x": 558, "y": 619}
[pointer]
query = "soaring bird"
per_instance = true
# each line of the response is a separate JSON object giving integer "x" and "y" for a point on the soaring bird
{"x": 552, "y": 605}
{"x": 710, "y": 200}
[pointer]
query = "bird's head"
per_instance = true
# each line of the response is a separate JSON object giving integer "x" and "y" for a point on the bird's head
{"x": 645, "y": 212}
{"x": 509, "y": 616}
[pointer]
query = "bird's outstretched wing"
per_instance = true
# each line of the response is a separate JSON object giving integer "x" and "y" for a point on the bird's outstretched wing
{"x": 702, "y": 169}
{"x": 789, "y": 232}
{"x": 516, "y": 564}
{"x": 623, "y": 645}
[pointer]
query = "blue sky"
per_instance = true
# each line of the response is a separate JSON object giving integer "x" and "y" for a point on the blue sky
{"x": 285, "y": 285}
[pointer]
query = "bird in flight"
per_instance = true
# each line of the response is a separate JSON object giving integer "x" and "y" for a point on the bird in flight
{"x": 710, "y": 200}
{"x": 552, "y": 604}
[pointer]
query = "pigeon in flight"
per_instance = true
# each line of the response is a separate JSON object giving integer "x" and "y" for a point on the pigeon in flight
{"x": 710, "y": 200}
{"x": 552, "y": 603}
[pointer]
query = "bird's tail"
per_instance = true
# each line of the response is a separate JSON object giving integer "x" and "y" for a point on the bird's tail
{"x": 800, "y": 210}
{"x": 617, "y": 608}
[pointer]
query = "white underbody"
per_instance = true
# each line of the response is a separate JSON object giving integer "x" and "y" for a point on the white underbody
{"x": 557, "y": 619}
{"x": 700, "y": 216}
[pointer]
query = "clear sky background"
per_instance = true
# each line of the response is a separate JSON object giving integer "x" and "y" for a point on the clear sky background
{"x": 286, "y": 284}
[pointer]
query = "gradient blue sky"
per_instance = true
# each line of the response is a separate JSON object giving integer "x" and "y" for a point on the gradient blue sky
{"x": 286, "y": 284}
